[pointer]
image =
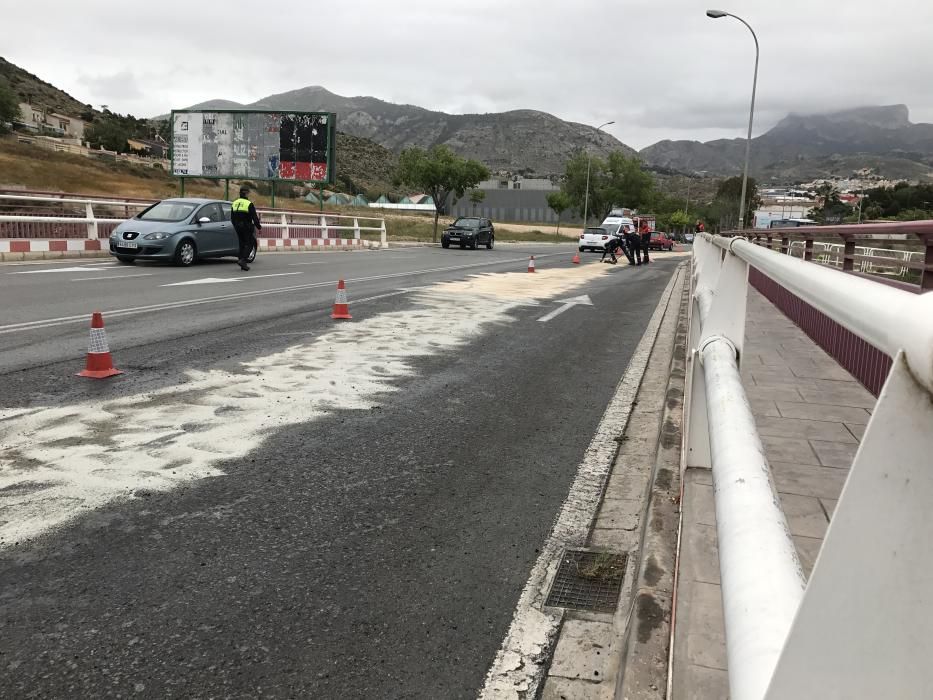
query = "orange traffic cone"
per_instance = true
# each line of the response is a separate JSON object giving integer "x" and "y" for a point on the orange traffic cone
{"x": 99, "y": 363}
{"x": 531, "y": 264}
{"x": 576, "y": 259}
{"x": 341, "y": 308}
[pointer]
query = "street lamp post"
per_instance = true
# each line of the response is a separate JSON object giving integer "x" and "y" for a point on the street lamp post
{"x": 717, "y": 14}
{"x": 586, "y": 198}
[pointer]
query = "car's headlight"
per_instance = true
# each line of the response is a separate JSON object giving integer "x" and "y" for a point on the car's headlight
{"x": 157, "y": 236}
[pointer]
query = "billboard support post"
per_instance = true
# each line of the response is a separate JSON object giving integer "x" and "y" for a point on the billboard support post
{"x": 182, "y": 181}
{"x": 227, "y": 189}
{"x": 273, "y": 194}
{"x": 320, "y": 198}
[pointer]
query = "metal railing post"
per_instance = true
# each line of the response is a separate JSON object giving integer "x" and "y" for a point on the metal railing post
{"x": 324, "y": 232}
{"x": 284, "y": 226}
{"x": 926, "y": 274}
{"x": 785, "y": 244}
{"x": 808, "y": 249}
{"x": 848, "y": 255}
{"x": 383, "y": 239}
{"x": 356, "y": 229}
{"x": 770, "y": 244}
{"x": 92, "y": 224}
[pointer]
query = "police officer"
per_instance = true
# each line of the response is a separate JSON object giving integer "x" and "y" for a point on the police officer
{"x": 645, "y": 235}
{"x": 244, "y": 218}
{"x": 634, "y": 245}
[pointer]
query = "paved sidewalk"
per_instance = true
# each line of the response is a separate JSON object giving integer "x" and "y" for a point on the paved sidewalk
{"x": 811, "y": 415}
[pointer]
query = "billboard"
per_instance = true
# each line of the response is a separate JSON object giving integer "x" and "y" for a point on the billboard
{"x": 254, "y": 145}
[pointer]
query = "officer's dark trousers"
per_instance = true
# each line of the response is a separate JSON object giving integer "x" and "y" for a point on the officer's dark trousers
{"x": 247, "y": 241}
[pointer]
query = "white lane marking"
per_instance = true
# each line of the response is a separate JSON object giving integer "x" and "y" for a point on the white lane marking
{"x": 132, "y": 311}
{"x": 319, "y": 262}
{"x": 111, "y": 277}
{"x": 84, "y": 268}
{"x": 221, "y": 280}
{"x": 519, "y": 666}
{"x": 56, "y": 462}
{"x": 53, "y": 262}
{"x": 583, "y": 300}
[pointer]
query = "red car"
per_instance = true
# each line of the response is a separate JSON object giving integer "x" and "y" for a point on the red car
{"x": 661, "y": 241}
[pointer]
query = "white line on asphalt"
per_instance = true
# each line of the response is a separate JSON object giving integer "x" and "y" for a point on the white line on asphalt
{"x": 111, "y": 277}
{"x": 519, "y": 666}
{"x": 319, "y": 262}
{"x": 86, "y": 268}
{"x": 222, "y": 280}
{"x": 63, "y": 320}
{"x": 66, "y": 261}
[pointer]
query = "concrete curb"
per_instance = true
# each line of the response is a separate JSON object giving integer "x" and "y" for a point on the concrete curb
{"x": 646, "y": 668}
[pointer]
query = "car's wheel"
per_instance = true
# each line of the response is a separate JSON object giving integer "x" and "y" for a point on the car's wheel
{"x": 473, "y": 244}
{"x": 445, "y": 244}
{"x": 462, "y": 246}
{"x": 186, "y": 253}
{"x": 492, "y": 242}
{"x": 125, "y": 259}
{"x": 251, "y": 258}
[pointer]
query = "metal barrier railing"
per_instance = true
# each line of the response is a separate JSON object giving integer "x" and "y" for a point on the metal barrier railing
{"x": 851, "y": 257}
{"x": 277, "y": 223}
{"x": 850, "y": 631}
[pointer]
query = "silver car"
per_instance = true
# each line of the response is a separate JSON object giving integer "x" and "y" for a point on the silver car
{"x": 178, "y": 230}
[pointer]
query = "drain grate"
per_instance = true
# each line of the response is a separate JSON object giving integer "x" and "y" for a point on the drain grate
{"x": 588, "y": 581}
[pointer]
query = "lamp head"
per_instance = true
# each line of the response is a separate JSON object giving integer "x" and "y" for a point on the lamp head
{"x": 716, "y": 14}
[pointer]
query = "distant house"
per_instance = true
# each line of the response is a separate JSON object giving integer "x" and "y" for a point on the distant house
{"x": 157, "y": 148}
{"x": 35, "y": 119}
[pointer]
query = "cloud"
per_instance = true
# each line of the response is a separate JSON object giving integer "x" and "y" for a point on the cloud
{"x": 115, "y": 87}
{"x": 659, "y": 68}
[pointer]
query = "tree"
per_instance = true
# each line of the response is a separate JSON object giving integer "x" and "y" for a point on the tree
{"x": 477, "y": 196}
{"x": 440, "y": 173}
{"x": 626, "y": 183}
{"x": 729, "y": 194}
{"x": 559, "y": 202}
{"x": 616, "y": 181}
{"x": 679, "y": 220}
{"x": 110, "y": 134}
{"x": 9, "y": 105}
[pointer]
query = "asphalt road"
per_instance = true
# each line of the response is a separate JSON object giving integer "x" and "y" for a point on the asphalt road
{"x": 270, "y": 504}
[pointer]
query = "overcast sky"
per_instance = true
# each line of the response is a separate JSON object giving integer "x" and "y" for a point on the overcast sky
{"x": 659, "y": 68}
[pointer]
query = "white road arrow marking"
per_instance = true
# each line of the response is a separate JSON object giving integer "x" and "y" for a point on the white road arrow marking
{"x": 582, "y": 300}
{"x": 221, "y": 280}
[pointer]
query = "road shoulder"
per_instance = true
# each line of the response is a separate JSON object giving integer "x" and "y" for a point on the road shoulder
{"x": 625, "y": 653}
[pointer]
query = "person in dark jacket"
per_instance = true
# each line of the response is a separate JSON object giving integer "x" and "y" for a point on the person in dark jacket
{"x": 645, "y": 235}
{"x": 634, "y": 246}
{"x": 245, "y": 222}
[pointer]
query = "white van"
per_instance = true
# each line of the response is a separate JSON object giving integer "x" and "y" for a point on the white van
{"x": 613, "y": 224}
{"x": 595, "y": 238}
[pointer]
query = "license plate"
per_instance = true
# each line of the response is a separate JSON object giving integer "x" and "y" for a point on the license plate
{"x": 454, "y": 238}
{"x": 127, "y": 244}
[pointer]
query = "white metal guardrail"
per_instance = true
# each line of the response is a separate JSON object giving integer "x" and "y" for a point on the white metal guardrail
{"x": 283, "y": 221}
{"x": 859, "y": 628}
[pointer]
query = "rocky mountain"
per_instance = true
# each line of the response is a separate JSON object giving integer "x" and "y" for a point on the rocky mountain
{"x": 521, "y": 140}
{"x": 802, "y": 144}
{"x": 30, "y": 88}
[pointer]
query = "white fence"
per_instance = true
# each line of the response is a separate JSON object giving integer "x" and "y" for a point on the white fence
{"x": 859, "y": 628}
{"x": 287, "y": 224}
{"x": 872, "y": 261}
